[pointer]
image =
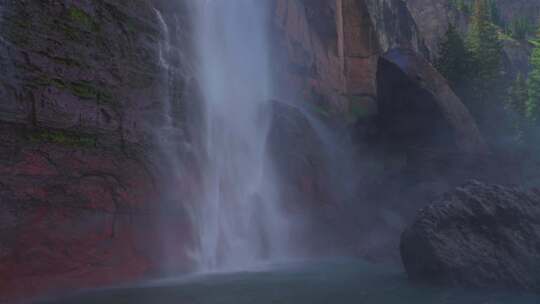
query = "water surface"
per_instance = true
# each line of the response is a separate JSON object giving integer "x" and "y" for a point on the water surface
{"x": 329, "y": 282}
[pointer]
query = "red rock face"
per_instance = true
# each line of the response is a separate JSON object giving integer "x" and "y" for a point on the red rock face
{"x": 334, "y": 67}
{"x": 68, "y": 216}
{"x": 74, "y": 217}
{"x": 312, "y": 69}
{"x": 80, "y": 205}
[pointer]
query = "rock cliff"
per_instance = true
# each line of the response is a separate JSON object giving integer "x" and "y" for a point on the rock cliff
{"x": 80, "y": 199}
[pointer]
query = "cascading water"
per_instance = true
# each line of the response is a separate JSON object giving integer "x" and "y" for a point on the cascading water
{"x": 239, "y": 222}
{"x": 168, "y": 134}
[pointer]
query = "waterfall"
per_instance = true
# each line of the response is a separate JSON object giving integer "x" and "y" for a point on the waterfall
{"x": 239, "y": 222}
{"x": 168, "y": 135}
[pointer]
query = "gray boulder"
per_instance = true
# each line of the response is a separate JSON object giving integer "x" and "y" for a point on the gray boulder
{"x": 477, "y": 236}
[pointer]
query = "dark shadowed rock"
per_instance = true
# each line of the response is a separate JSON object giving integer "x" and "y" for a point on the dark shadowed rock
{"x": 477, "y": 236}
{"x": 417, "y": 107}
{"x": 297, "y": 153}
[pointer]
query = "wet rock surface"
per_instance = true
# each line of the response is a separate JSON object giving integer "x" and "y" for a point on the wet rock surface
{"x": 477, "y": 235}
{"x": 80, "y": 87}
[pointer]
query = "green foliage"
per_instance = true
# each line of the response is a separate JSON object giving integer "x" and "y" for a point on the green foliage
{"x": 88, "y": 90}
{"x": 520, "y": 28}
{"x": 359, "y": 108}
{"x": 494, "y": 13}
{"x": 62, "y": 137}
{"x": 533, "y": 103}
{"x": 82, "y": 19}
{"x": 474, "y": 68}
{"x": 507, "y": 112}
{"x": 462, "y": 6}
{"x": 455, "y": 61}
{"x": 484, "y": 43}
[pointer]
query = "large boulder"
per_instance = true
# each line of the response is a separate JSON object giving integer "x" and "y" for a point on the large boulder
{"x": 477, "y": 236}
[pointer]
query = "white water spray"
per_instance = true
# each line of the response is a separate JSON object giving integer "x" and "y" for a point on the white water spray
{"x": 239, "y": 222}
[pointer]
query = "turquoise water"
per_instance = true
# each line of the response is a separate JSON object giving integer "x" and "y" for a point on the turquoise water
{"x": 328, "y": 282}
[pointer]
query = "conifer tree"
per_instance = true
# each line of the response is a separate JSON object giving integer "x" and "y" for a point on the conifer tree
{"x": 454, "y": 60}
{"x": 486, "y": 48}
{"x": 520, "y": 28}
{"x": 461, "y": 6}
{"x": 533, "y": 103}
{"x": 494, "y": 13}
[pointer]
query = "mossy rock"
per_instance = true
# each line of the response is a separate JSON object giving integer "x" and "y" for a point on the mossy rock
{"x": 85, "y": 90}
{"x": 82, "y": 19}
{"x": 62, "y": 137}
{"x": 89, "y": 90}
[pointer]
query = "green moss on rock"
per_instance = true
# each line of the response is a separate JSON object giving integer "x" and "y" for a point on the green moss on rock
{"x": 82, "y": 19}
{"x": 62, "y": 137}
{"x": 360, "y": 107}
{"x": 89, "y": 90}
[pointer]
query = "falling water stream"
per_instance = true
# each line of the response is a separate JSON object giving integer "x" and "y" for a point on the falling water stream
{"x": 239, "y": 223}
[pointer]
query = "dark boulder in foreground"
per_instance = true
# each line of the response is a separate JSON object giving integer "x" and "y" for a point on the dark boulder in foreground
{"x": 477, "y": 236}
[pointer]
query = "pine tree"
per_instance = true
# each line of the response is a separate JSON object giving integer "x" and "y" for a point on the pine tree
{"x": 520, "y": 28}
{"x": 461, "y": 5}
{"x": 454, "y": 60}
{"x": 533, "y": 103}
{"x": 494, "y": 13}
{"x": 486, "y": 48}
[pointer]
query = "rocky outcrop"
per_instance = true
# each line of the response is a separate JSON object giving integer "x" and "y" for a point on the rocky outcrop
{"x": 477, "y": 235}
{"x": 417, "y": 107}
{"x": 395, "y": 26}
{"x": 433, "y": 18}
